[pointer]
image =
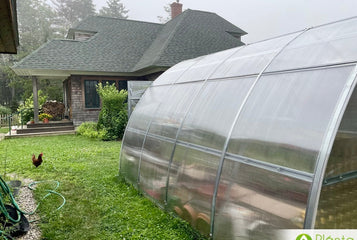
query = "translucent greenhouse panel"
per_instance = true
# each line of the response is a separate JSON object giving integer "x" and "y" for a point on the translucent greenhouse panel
{"x": 205, "y": 67}
{"x": 136, "y": 90}
{"x": 213, "y": 111}
{"x": 144, "y": 111}
{"x": 170, "y": 114}
{"x": 172, "y": 74}
{"x": 343, "y": 156}
{"x": 252, "y": 58}
{"x": 154, "y": 168}
{"x": 337, "y": 205}
{"x": 349, "y": 123}
{"x": 191, "y": 186}
{"x": 286, "y": 117}
{"x": 253, "y": 202}
{"x": 130, "y": 155}
{"x": 329, "y": 44}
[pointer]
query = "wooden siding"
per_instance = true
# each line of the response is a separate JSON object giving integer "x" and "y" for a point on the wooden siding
{"x": 78, "y": 112}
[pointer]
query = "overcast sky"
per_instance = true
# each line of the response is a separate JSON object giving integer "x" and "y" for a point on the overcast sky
{"x": 262, "y": 19}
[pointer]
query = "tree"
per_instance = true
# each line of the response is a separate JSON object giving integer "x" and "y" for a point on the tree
{"x": 12, "y": 87}
{"x": 71, "y": 12}
{"x": 35, "y": 18}
{"x": 115, "y": 9}
{"x": 38, "y": 23}
{"x": 167, "y": 9}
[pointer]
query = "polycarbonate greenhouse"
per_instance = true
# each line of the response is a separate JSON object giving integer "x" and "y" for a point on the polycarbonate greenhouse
{"x": 252, "y": 139}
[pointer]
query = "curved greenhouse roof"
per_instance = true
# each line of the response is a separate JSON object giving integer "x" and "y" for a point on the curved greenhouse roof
{"x": 254, "y": 138}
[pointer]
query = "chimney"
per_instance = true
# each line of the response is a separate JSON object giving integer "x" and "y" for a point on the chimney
{"x": 176, "y": 9}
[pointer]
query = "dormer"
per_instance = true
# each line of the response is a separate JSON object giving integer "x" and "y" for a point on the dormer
{"x": 80, "y": 35}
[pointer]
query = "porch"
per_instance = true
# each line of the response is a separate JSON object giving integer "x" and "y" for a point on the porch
{"x": 42, "y": 129}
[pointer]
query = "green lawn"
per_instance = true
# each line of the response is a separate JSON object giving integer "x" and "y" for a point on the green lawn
{"x": 4, "y": 129}
{"x": 99, "y": 204}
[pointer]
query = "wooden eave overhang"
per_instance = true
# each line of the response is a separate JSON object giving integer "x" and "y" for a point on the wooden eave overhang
{"x": 9, "y": 37}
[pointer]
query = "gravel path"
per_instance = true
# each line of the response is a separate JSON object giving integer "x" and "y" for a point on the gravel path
{"x": 27, "y": 203}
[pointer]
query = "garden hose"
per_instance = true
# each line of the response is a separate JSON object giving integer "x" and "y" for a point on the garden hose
{"x": 7, "y": 192}
{"x": 53, "y": 191}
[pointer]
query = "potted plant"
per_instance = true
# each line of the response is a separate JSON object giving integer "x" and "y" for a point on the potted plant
{"x": 44, "y": 117}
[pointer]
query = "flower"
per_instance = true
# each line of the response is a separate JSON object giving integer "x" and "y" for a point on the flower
{"x": 44, "y": 115}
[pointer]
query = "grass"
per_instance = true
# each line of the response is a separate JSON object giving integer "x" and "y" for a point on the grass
{"x": 99, "y": 204}
{"x": 4, "y": 129}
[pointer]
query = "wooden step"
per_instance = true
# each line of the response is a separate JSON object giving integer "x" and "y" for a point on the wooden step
{"x": 45, "y": 129}
{"x": 50, "y": 124}
{"x": 40, "y": 134}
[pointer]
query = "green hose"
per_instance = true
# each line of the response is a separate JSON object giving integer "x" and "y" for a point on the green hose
{"x": 7, "y": 192}
{"x": 53, "y": 191}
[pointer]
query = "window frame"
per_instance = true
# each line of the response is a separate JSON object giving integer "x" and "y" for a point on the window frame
{"x": 100, "y": 79}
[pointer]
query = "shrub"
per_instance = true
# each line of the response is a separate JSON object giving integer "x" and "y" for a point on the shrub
{"x": 89, "y": 129}
{"x": 26, "y": 108}
{"x": 113, "y": 116}
{"x": 4, "y": 110}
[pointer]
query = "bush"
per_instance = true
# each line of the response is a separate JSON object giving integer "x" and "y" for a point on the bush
{"x": 113, "y": 116}
{"x": 89, "y": 129}
{"x": 4, "y": 110}
{"x": 26, "y": 108}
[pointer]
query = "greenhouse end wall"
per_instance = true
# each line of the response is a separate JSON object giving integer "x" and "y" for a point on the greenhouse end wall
{"x": 237, "y": 142}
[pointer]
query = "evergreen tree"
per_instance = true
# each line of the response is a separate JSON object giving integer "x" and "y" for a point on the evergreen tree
{"x": 37, "y": 25}
{"x": 35, "y": 18}
{"x": 115, "y": 9}
{"x": 71, "y": 12}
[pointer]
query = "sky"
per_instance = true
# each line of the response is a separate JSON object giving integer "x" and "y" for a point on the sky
{"x": 261, "y": 19}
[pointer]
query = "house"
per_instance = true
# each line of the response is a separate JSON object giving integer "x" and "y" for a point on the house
{"x": 9, "y": 37}
{"x": 111, "y": 50}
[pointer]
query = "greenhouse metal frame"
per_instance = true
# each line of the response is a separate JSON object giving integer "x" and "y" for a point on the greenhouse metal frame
{"x": 252, "y": 139}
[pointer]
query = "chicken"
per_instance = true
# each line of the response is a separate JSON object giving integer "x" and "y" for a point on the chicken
{"x": 37, "y": 162}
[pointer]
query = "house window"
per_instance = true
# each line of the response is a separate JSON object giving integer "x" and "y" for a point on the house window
{"x": 91, "y": 95}
{"x": 82, "y": 36}
{"x": 122, "y": 85}
{"x": 108, "y": 82}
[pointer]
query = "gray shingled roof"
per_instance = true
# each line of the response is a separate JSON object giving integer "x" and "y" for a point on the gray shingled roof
{"x": 127, "y": 46}
{"x": 189, "y": 35}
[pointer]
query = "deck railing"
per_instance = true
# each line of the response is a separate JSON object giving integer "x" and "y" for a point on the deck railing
{"x": 13, "y": 121}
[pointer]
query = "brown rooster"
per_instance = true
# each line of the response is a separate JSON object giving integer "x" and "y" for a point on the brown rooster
{"x": 37, "y": 162}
